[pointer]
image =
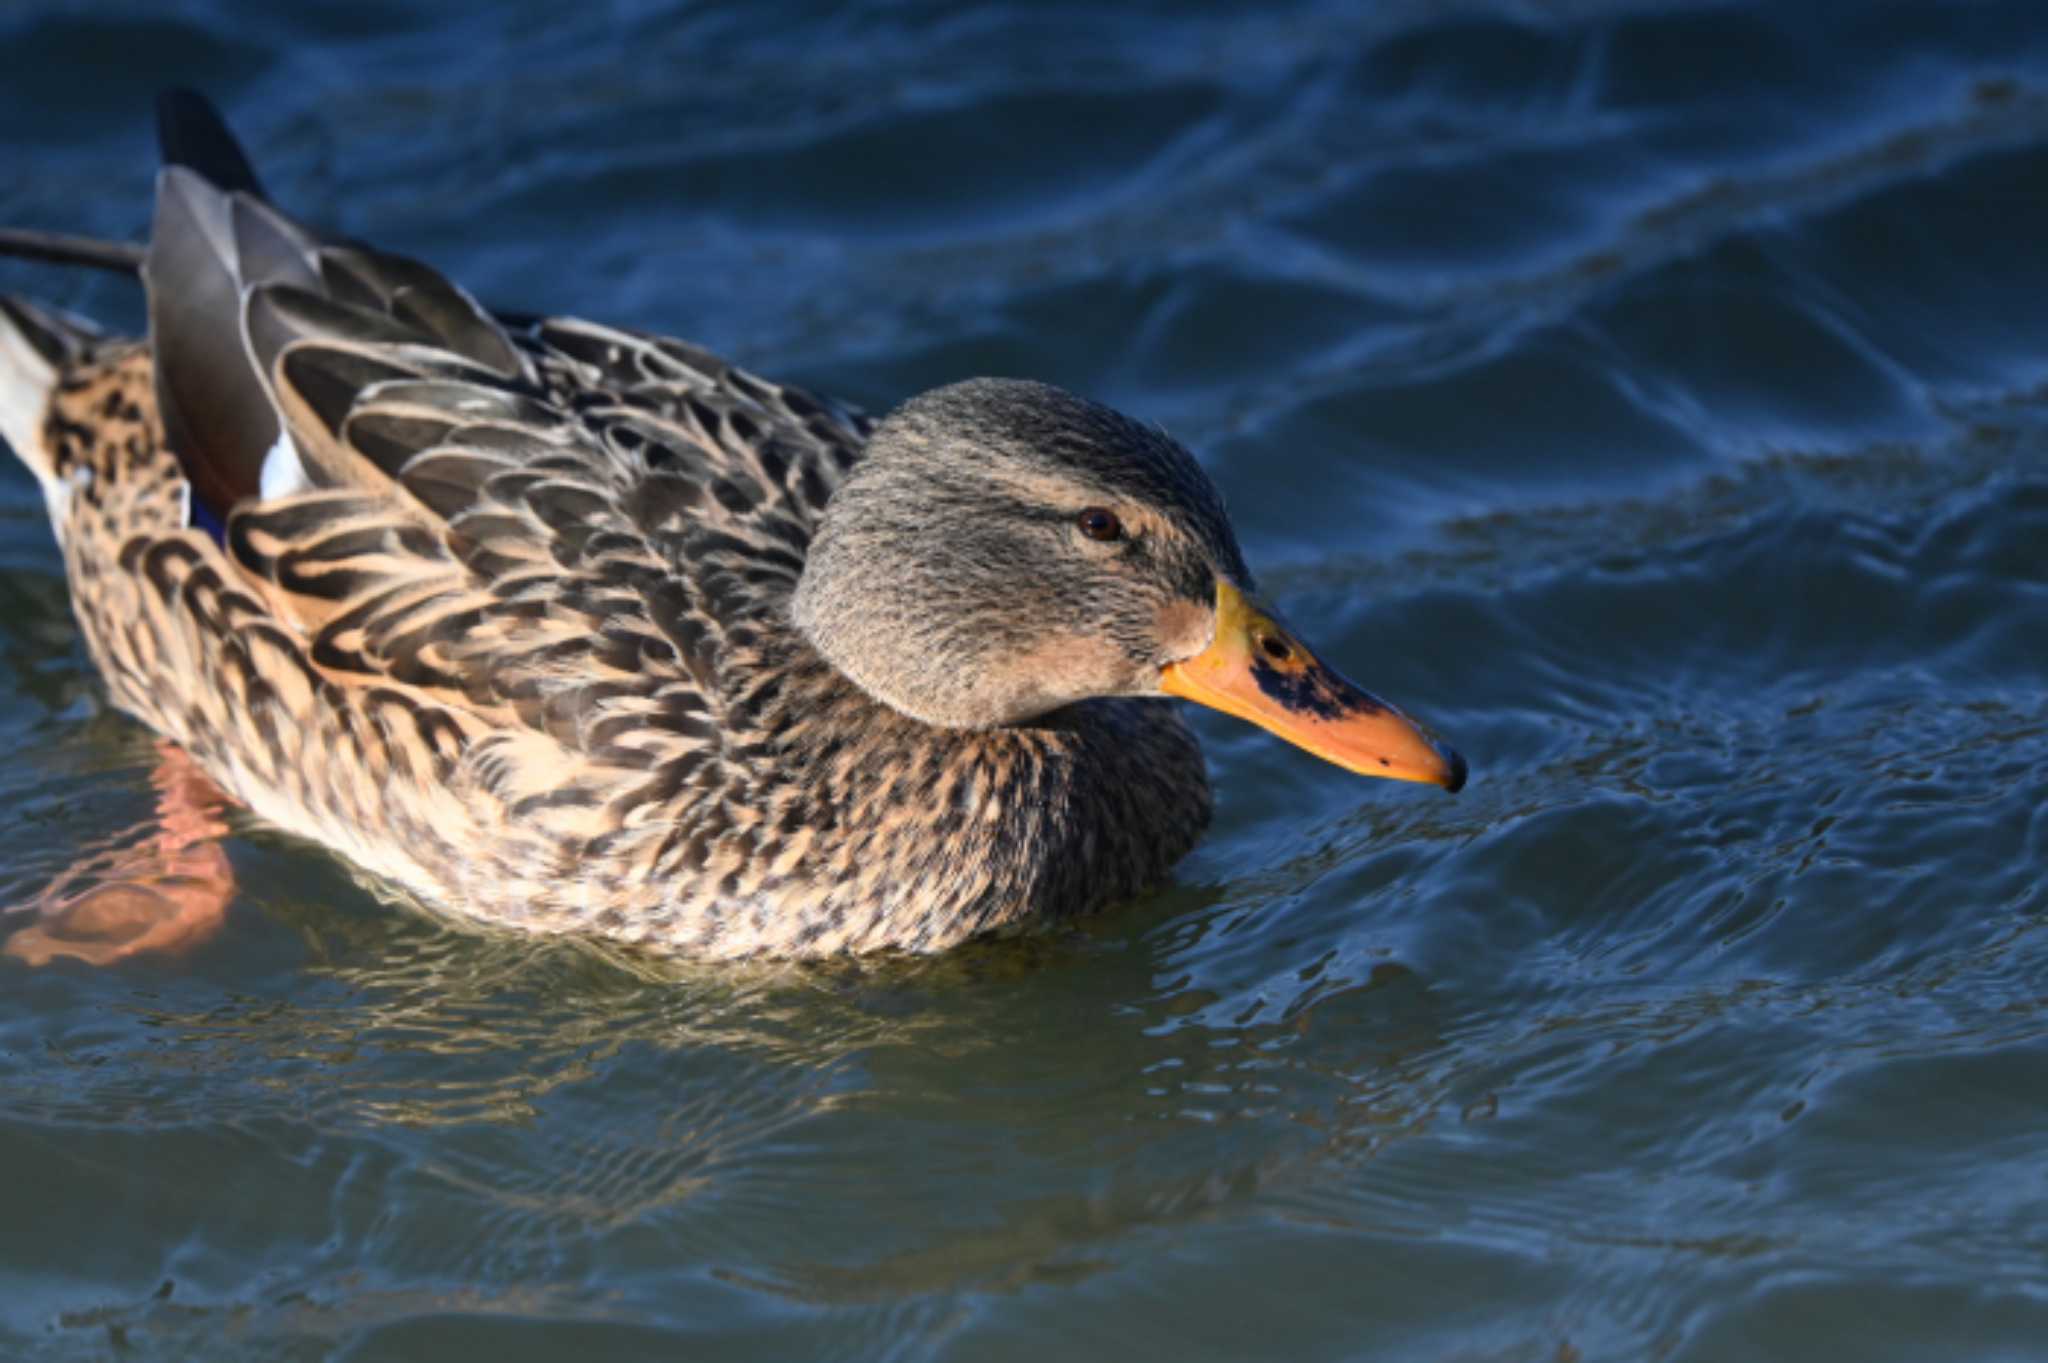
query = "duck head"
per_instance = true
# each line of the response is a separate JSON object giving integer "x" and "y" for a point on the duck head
{"x": 1005, "y": 548}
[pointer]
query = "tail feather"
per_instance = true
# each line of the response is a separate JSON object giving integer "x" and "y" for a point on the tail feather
{"x": 36, "y": 347}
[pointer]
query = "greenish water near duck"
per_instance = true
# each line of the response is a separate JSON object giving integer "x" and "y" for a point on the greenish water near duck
{"x": 1654, "y": 396}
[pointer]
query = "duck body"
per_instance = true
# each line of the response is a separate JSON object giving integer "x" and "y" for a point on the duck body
{"x": 571, "y": 629}
{"x": 579, "y": 706}
{"x": 526, "y": 648}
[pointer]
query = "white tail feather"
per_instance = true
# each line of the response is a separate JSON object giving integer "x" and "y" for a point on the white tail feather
{"x": 36, "y": 347}
{"x": 26, "y": 378}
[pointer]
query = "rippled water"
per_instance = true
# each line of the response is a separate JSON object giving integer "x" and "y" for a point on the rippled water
{"x": 1655, "y": 396}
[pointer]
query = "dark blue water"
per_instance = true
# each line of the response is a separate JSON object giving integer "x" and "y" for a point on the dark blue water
{"x": 1653, "y": 395}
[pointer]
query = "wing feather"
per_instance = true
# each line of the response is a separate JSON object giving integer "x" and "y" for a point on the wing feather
{"x": 568, "y": 534}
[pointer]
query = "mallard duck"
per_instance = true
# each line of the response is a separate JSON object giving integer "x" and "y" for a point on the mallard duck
{"x": 574, "y": 629}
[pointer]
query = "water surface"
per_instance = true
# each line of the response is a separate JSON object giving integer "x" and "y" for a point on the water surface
{"x": 1653, "y": 395}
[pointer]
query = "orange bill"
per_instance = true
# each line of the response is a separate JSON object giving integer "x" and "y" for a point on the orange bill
{"x": 1257, "y": 670}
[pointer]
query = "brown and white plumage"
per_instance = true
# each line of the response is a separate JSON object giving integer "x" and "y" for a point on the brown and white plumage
{"x": 503, "y": 610}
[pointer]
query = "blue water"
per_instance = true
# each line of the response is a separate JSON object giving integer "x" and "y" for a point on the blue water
{"x": 1652, "y": 395}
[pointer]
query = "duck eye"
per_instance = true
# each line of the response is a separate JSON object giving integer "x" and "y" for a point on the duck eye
{"x": 1100, "y": 523}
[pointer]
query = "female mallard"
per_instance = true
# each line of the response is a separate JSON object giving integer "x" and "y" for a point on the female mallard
{"x": 573, "y": 629}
